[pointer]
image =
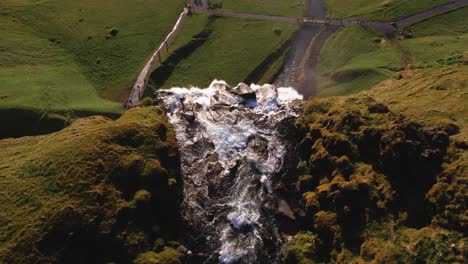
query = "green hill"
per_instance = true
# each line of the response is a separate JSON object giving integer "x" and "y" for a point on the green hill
{"x": 76, "y": 57}
{"x": 99, "y": 191}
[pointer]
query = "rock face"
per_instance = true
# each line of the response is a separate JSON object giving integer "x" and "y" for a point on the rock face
{"x": 233, "y": 143}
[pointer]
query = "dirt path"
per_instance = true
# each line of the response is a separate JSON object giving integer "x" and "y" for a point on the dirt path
{"x": 416, "y": 18}
{"x": 405, "y": 54}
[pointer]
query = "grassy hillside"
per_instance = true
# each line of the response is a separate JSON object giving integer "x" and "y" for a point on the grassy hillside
{"x": 383, "y": 173}
{"x": 441, "y": 40}
{"x": 98, "y": 191}
{"x": 66, "y": 55}
{"x": 385, "y": 10}
{"x": 435, "y": 96}
{"x": 355, "y": 58}
{"x": 291, "y": 8}
{"x": 220, "y": 48}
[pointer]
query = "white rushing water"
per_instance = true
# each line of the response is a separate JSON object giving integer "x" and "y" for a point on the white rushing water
{"x": 231, "y": 148}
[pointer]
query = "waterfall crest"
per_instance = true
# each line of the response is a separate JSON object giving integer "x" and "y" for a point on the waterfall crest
{"x": 233, "y": 142}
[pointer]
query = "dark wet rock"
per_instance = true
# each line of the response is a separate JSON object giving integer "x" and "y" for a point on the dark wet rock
{"x": 378, "y": 108}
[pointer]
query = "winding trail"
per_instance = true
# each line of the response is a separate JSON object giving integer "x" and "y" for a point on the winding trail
{"x": 299, "y": 68}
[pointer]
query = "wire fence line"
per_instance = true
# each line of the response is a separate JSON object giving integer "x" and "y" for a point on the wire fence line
{"x": 141, "y": 82}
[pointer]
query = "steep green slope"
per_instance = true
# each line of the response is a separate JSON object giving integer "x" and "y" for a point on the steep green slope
{"x": 230, "y": 49}
{"x": 356, "y": 58}
{"x": 77, "y": 57}
{"x": 386, "y": 10}
{"x": 98, "y": 191}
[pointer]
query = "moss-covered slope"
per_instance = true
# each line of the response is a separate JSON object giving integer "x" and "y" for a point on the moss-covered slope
{"x": 98, "y": 191}
{"x": 385, "y": 182}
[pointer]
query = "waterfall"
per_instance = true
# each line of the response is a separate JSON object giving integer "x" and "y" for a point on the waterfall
{"x": 232, "y": 142}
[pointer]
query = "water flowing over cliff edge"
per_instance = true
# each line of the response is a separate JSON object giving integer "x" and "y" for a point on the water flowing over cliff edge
{"x": 233, "y": 144}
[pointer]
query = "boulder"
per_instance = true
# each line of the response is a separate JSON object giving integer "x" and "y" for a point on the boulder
{"x": 285, "y": 209}
{"x": 219, "y": 85}
{"x": 244, "y": 91}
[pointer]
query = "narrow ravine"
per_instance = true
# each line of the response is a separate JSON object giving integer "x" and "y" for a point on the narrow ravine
{"x": 233, "y": 144}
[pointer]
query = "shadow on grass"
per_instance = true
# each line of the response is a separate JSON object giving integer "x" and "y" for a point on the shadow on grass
{"x": 20, "y": 122}
{"x": 159, "y": 76}
{"x": 265, "y": 65}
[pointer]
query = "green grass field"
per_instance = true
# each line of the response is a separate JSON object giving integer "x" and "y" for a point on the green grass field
{"x": 291, "y": 8}
{"x": 386, "y": 10}
{"x": 221, "y": 48}
{"x": 441, "y": 40}
{"x": 66, "y": 55}
{"x": 355, "y": 58}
